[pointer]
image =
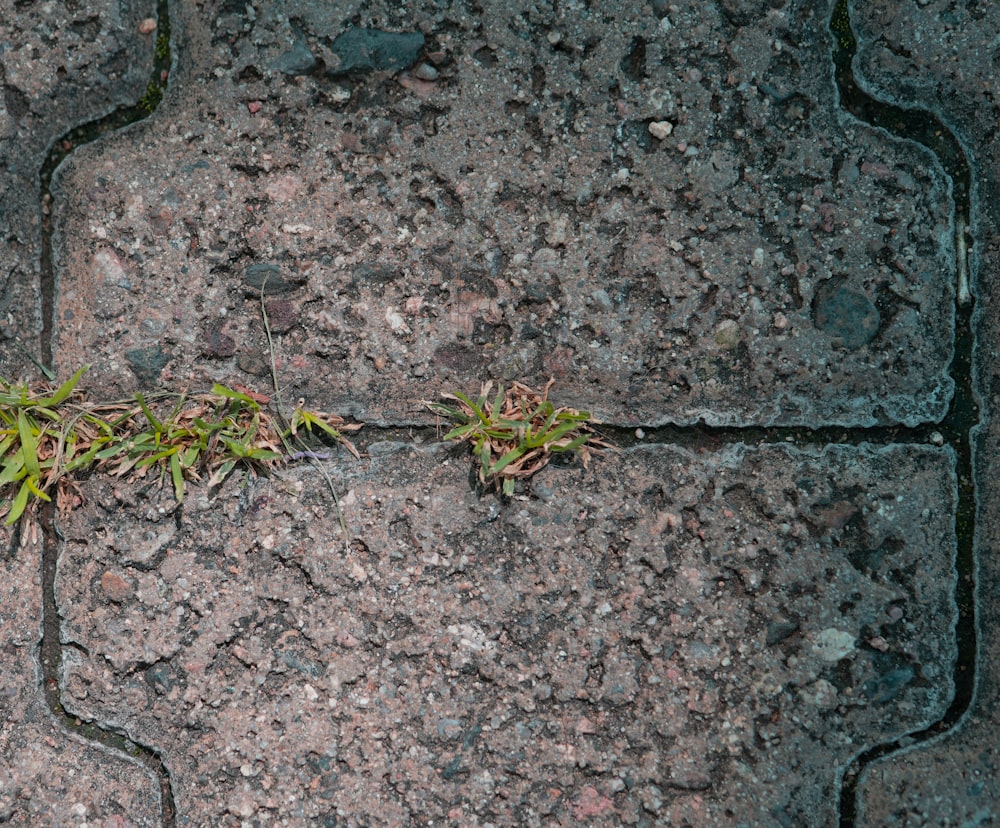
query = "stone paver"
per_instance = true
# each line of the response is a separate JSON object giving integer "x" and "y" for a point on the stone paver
{"x": 766, "y": 262}
{"x": 47, "y": 777}
{"x": 665, "y": 636}
{"x": 662, "y": 207}
{"x": 60, "y": 64}
{"x": 942, "y": 58}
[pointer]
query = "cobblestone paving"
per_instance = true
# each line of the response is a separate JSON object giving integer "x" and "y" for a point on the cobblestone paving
{"x": 757, "y": 611}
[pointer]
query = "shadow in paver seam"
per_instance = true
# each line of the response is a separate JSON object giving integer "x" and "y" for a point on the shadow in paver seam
{"x": 960, "y": 418}
{"x": 50, "y": 646}
{"x": 963, "y": 413}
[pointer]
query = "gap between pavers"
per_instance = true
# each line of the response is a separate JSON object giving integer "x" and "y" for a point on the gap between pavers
{"x": 46, "y": 776}
{"x": 58, "y": 66}
{"x": 932, "y": 55}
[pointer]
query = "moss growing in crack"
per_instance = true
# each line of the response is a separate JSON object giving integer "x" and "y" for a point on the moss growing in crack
{"x": 151, "y": 99}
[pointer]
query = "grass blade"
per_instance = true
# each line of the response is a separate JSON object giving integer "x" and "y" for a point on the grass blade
{"x": 221, "y": 473}
{"x": 19, "y": 505}
{"x": 29, "y": 448}
{"x": 228, "y": 393}
{"x": 517, "y": 432}
{"x": 476, "y": 409}
{"x": 64, "y": 390}
{"x": 507, "y": 459}
{"x": 32, "y": 484}
{"x": 573, "y": 444}
{"x": 156, "y": 424}
{"x": 178, "y": 477}
{"x": 13, "y": 469}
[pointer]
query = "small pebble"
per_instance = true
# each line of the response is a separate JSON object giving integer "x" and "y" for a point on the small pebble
{"x": 115, "y": 587}
{"x": 660, "y": 129}
{"x": 426, "y": 72}
{"x": 147, "y": 26}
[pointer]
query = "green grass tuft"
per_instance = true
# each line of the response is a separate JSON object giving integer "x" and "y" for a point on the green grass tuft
{"x": 49, "y": 434}
{"x": 517, "y": 432}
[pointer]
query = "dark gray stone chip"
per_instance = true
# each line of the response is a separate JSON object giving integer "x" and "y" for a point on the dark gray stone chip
{"x": 369, "y": 50}
{"x": 147, "y": 363}
{"x": 846, "y": 314}
{"x": 268, "y": 277}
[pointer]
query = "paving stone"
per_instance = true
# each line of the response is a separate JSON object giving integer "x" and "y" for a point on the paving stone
{"x": 928, "y": 55}
{"x": 48, "y": 777}
{"x": 602, "y": 646}
{"x": 660, "y": 206}
{"x": 933, "y": 57}
{"x": 60, "y": 65}
{"x": 515, "y": 218}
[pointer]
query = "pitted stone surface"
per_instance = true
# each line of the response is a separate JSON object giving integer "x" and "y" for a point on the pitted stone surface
{"x": 60, "y": 64}
{"x": 942, "y": 58}
{"x": 690, "y": 638}
{"x": 504, "y": 211}
{"x": 46, "y": 776}
{"x": 938, "y": 56}
{"x": 653, "y": 205}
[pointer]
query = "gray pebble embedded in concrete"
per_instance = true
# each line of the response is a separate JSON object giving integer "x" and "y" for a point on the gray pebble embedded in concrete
{"x": 296, "y": 61}
{"x": 372, "y": 49}
{"x": 846, "y": 314}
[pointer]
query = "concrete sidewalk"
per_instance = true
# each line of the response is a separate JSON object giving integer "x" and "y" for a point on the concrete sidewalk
{"x": 664, "y": 208}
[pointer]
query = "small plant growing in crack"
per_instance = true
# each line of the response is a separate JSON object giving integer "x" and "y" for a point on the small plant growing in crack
{"x": 49, "y": 434}
{"x": 516, "y": 432}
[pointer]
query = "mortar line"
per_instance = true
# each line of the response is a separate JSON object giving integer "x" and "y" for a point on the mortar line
{"x": 920, "y": 126}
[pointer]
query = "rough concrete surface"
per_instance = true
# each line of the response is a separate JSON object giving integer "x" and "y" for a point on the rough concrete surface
{"x": 661, "y": 206}
{"x": 515, "y": 217}
{"x": 60, "y": 65}
{"x": 46, "y": 777}
{"x": 665, "y": 636}
{"x": 943, "y": 58}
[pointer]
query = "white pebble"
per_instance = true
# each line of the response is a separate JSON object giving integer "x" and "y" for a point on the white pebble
{"x": 660, "y": 129}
